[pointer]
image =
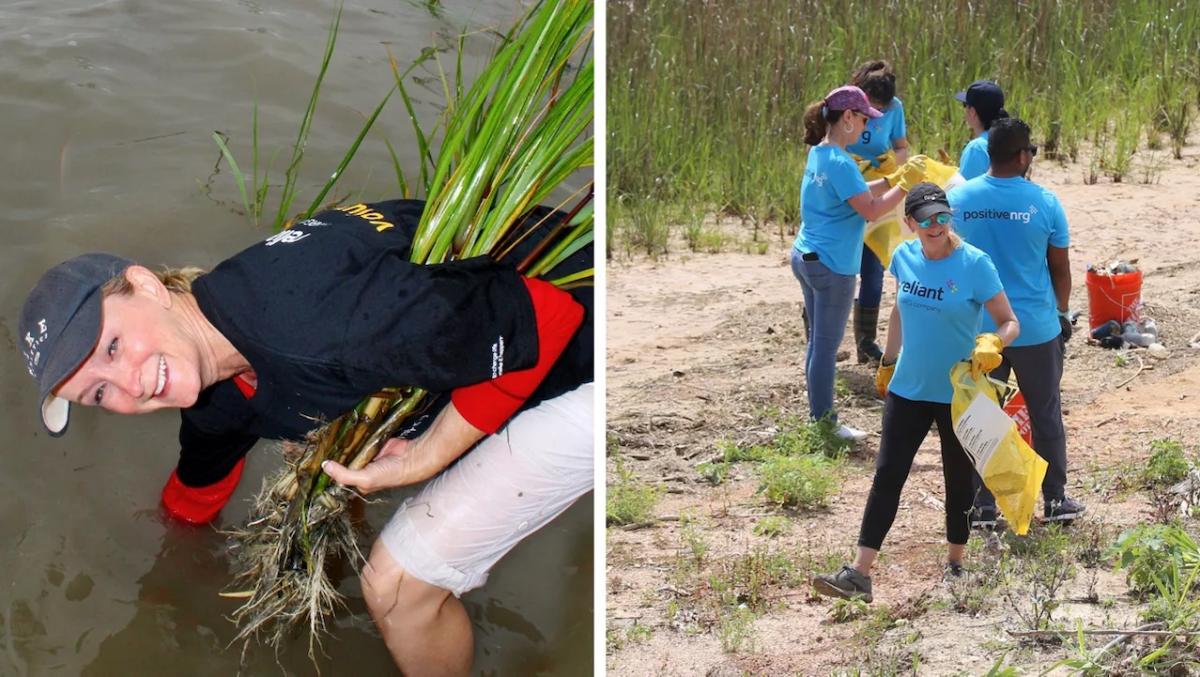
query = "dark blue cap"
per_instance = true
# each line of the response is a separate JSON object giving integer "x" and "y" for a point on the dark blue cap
{"x": 60, "y": 325}
{"x": 983, "y": 95}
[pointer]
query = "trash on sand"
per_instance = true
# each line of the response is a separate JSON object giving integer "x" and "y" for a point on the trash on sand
{"x": 1114, "y": 267}
{"x": 1158, "y": 350}
{"x": 1133, "y": 335}
{"x": 1110, "y": 328}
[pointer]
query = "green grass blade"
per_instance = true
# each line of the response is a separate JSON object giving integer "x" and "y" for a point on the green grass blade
{"x": 337, "y": 173}
{"x": 292, "y": 173}
{"x": 574, "y": 277}
{"x": 404, "y": 192}
{"x": 237, "y": 173}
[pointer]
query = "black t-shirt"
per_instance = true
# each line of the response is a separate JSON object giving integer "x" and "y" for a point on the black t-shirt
{"x": 331, "y": 310}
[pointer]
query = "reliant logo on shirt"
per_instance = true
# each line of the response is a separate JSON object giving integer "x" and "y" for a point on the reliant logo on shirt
{"x": 1023, "y": 217}
{"x": 920, "y": 290}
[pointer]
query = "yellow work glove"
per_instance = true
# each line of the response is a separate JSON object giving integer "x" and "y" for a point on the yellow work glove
{"x": 886, "y": 163}
{"x": 986, "y": 355}
{"x": 883, "y": 377}
{"x": 910, "y": 174}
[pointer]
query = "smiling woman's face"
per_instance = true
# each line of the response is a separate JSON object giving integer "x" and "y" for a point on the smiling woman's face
{"x": 143, "y": 360}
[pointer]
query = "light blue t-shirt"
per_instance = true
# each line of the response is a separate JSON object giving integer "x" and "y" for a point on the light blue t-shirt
{"x": 829, "y": 226}
{"x": 974, "y": 159}
{"x": 1015, "y": 221}
{"x": 880, "y": 133}
{"x": 940, "y": 303}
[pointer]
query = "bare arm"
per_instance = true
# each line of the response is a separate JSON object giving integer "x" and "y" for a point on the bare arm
{"x": 1060, "y": 275}
{"x": 900, "y": 147}
{"x": 891, "y": 349}
{"x": 878, "y": 187}
{"x": 1007, "y": 327}
{"x": 871, "y": 206}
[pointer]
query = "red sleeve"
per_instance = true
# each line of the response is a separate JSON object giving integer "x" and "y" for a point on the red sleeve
{"x": 488, "y": 405}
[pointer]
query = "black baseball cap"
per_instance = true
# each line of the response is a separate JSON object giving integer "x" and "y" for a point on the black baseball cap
{"x": 924, "y": 200}
{"x": 983, "y": 95}
{"x": 60, "y": 325}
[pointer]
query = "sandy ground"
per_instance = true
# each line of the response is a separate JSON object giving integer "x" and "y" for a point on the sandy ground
{"x": 706, "y": 347}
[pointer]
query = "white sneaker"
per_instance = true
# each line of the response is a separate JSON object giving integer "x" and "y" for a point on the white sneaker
{"x": 855, "y": 435}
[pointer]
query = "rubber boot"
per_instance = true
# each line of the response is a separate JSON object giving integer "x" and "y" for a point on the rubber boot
{"x": 865, "y": 321}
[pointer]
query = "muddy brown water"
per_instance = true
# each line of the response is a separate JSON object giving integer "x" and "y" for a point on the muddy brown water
{"x": 106, "y": 112}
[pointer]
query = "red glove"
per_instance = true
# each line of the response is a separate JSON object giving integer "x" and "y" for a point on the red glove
{"x": 490, "y": 404}
{"x": 200, "y": 505}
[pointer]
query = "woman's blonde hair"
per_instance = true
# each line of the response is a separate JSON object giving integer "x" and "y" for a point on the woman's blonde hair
{"x": 176, "y": 280}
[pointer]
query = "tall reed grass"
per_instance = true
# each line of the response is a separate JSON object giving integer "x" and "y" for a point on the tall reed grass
{"x": 706, "y": 97}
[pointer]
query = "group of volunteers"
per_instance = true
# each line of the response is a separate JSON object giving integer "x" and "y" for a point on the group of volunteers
{"x": 297, "y": 330}
{"x": 996, "y": 242}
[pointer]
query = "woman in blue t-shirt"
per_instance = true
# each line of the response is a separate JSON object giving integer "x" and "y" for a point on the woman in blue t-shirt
{"x": 835, "y": 205}
{"x": 942, "y": 284}
{"x": 983, "y": 104}
{"x": 883, "y": 145}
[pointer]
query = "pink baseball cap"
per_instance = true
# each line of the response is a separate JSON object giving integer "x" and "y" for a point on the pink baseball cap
{"x": 851, "y": 98}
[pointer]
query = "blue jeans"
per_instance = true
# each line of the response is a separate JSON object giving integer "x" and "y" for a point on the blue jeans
{"x": 870, "y": 286}
{"x": 827, "y": 298}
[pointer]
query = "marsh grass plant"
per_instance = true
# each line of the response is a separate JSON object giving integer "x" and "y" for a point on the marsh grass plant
{"x": 705, "y": 98}
{"x": 507, "y": 141}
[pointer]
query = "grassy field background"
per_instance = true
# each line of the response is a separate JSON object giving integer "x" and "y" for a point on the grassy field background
{"x": 705, "y": 98}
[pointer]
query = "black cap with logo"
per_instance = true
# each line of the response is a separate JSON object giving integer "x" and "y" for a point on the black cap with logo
{"x": 60, "y": 325}
{"x": 924, "y": 200}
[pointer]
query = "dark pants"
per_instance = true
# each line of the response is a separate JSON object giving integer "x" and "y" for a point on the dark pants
{"x": 905, "y": 424}
{"x": 1039, "y": 371}
{"x": 870, "y": 282}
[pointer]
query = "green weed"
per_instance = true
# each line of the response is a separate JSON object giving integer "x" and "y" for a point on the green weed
{"x": 713, "y": 472}
{"x": 772, "y": 526}
{"x": 1167, "y": 466}
{"x": 845, "y": 610}
{"x": 1151, "y": 551}
{"x": 802, "y": 482}
{"x": 630, "y": 501}
{"x": 735, "y": 629}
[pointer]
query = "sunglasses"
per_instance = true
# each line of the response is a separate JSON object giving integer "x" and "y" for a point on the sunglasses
{"x": 941, "y": 218}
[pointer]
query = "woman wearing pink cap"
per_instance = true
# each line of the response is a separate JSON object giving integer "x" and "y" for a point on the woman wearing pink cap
{"x": 835, "y": 205}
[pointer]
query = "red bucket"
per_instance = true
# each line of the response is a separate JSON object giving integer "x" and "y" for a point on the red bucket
{"x": 1113, "y": 297}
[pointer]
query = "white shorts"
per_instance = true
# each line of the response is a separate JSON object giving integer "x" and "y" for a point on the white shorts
{"x": 510, "y": 485}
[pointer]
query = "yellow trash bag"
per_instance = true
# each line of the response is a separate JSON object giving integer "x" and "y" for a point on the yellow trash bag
{"x": 885, "y": 234}
{"x": 1008, "y": 466}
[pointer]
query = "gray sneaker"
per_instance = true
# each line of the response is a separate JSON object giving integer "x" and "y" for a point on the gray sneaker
{"x": 1066, "y": 510}
{"x": 847, "y": 583}
{"x": 953, "y": 571}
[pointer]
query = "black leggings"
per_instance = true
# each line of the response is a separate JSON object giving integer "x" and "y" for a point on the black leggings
{"x": 905, "y": 424}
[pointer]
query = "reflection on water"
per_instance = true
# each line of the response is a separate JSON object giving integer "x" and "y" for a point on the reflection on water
{"x": 107, "y": 110}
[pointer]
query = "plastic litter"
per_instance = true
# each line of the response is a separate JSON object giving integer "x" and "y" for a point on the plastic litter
{"x": 1133, "y": 336}
{"x": 1158, "y": 351}
{"x": 1110, "y": 328}
{"x": 1008, "y": 466}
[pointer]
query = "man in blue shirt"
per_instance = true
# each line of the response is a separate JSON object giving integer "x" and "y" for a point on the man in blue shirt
{"x": 1023, "y": 227}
